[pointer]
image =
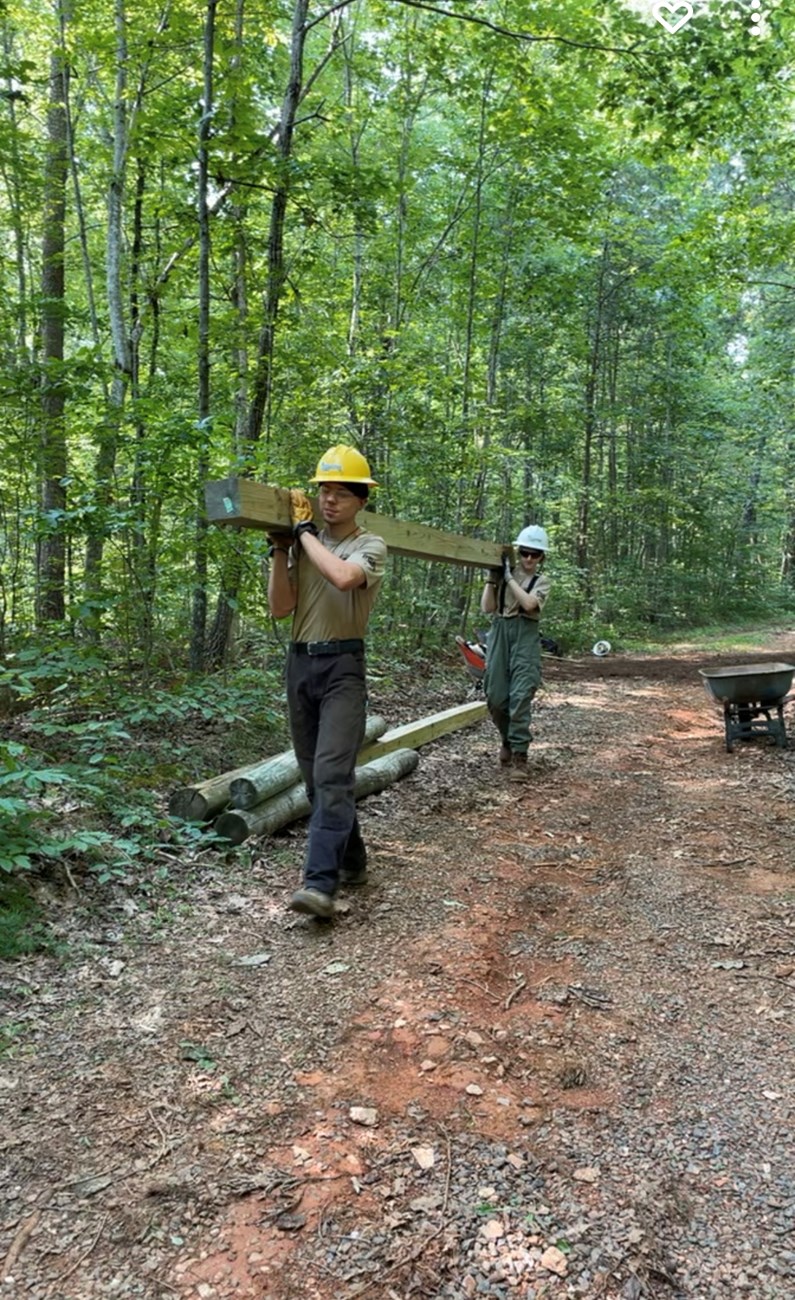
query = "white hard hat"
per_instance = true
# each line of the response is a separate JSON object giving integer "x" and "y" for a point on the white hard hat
{"x": 534, "y": 537}
{"x": 601, "y": 649}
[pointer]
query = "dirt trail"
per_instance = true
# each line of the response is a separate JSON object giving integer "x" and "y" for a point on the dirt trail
{"x": 563, "y": 1008}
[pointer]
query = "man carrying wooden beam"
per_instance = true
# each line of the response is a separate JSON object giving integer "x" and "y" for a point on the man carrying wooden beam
{"x": 328, "y": 580}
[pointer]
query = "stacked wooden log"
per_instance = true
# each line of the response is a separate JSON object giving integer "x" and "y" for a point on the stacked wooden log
{"x": 262, "y": 797}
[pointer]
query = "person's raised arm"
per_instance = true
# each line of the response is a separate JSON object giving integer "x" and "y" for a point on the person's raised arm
{"x": 342, "y": 574}
{"x": 282, "y": 595}
{"x": 488, "y": 599}
{"x": 526, "y": 600}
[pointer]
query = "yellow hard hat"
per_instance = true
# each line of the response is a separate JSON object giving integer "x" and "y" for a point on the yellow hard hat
{"x": 343, "y": 465}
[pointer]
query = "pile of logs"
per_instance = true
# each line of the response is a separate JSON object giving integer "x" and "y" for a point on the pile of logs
{"x": 263, "y": 797}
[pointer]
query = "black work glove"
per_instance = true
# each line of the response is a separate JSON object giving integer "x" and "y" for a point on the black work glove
{"x": 507, "y": 571}
{"x": 305, "y": 526}
{"x": 495, "y": 576}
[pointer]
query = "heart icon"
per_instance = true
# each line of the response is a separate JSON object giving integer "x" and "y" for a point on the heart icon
{"x": 672, "y": 15}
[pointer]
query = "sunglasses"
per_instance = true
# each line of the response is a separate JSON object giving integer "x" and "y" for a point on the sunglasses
{"x": 526, "y": 553}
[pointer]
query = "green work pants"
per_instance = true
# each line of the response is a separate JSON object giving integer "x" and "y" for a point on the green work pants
{"x": 513, "y": 675}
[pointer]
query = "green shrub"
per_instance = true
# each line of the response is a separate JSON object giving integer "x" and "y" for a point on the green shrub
{"x": 21, "y": 929}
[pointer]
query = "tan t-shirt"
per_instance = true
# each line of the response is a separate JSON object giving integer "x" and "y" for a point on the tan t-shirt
{"x": 540, "y": 590}
{"x": 323, "y": 613}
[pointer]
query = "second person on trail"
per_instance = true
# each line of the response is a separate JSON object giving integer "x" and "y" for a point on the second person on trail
{"x": 515, "y": 596}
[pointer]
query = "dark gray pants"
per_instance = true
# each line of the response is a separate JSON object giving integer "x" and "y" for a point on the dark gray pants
{"x": 327, "y": 700}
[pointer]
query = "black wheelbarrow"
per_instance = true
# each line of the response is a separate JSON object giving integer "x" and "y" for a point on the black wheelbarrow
{"x": 750, "y": 695}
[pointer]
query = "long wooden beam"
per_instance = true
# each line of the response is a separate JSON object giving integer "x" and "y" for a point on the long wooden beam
{"x": 247, "y": 504}
{"x": 414, "y": 734}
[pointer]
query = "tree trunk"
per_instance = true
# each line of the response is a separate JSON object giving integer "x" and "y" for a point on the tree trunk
{"x": 199, "y": 621}
{"x": 51, "y": 548}
{"x": 220, "y": 634}
{"x": 139, "y": 546}
{"x": 14, "y": 210}
{"x": 589, "y": 431}
{"x": 108, "y": 435}
{"x": 263, "y": 379}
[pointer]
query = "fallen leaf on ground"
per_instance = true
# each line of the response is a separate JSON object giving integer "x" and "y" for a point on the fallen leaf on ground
{"x": 492, "y": 1230}
{"x": 554, "y": 1261}
{"x": 424, "y": 1156}
{"x": 586, "y": 1175}
{"x": 365, "y": 1115}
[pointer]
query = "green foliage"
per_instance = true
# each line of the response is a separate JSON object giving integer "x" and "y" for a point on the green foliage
{"x": 541, "y": 276}
{"x": 39, "y": 668}
{"x": 242, "y": 698}
{"x": 202, "y": 1056}
{"x": 30, "y": 831}
{"x": 22, "y": 932}
{"x": 22, "y": 784}
{"x": 86, "y": 791}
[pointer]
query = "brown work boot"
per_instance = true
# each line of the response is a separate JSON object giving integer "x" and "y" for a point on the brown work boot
{"x": 505, "y": 755}
{"x": 311, "y": 902}
{"x": 518, "y": 770}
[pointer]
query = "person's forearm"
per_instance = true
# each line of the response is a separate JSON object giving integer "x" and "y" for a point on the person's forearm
{"x": 525, "y": 599}
{"x": 281, "y": 593}
{"x": 488, "y": 601}
{"x": 342, "y": 574}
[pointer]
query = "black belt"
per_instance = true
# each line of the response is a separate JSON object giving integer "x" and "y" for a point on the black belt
{"x": 353, "y": 645}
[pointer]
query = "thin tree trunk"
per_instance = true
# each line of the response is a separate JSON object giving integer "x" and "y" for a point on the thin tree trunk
{"x": 142, "y": 572}
{"x": 13, "y": 214}
{"x": 108, "y": 435}
{"x": 51, "y": 550}
{"x": 355, "y": 133}
{"x": 124, "y": 345}
{"x": 219, "y": 636}
{"x": 263, "y": 379}
{"x": 474, "y": 254}
{"x": 589, "y": 431}
{"x": 199, "y": 622}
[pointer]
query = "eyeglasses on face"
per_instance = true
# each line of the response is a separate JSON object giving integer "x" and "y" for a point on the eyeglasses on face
{"x": 338, "y": 493}
{"x": 527, "y": 552}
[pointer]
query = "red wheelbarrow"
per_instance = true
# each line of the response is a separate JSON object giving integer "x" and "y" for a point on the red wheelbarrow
{"x": 750, "y": 695}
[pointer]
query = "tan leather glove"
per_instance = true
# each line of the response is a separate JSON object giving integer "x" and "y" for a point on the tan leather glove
{"x": 301, "y": 511}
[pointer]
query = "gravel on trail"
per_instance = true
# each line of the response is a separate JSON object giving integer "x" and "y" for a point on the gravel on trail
{"x": 546, "y": 1052}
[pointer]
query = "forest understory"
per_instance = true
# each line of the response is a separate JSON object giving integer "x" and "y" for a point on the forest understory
{"x": 547, "y": 1051}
